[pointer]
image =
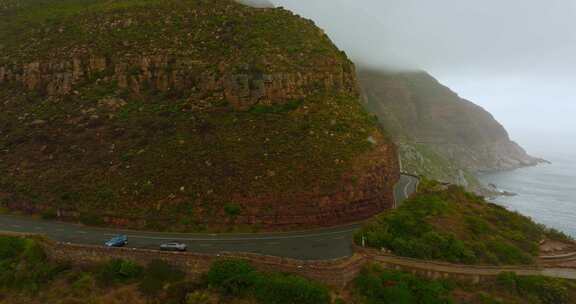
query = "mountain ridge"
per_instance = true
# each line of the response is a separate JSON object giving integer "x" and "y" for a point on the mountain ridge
{"x": 437, "y": 130}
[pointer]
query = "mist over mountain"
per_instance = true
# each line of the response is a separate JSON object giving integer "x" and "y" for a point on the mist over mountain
{"x": 512, "y": 57}
{"x": 257, "y": 3}
{"x": 492, "y": 37}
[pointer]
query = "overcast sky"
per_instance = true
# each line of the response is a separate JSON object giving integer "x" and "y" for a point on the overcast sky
{"x": 516, "y": 58}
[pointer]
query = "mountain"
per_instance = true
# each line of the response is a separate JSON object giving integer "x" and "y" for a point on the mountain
{"x": 183, "y": 115}
{"x": 441, "y": 135}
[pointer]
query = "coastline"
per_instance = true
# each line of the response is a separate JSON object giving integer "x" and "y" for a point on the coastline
{"x": 544, "y": 192}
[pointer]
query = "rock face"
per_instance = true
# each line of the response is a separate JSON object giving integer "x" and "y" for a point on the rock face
{"x": 184, "y": 115}
{"x": 170, "y": 74}
{"x": 435, "y": 125}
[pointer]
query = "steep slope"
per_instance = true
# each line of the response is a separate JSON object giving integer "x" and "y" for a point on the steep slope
{"x": 183, "y": 115}
{"x": 439, "y": 132}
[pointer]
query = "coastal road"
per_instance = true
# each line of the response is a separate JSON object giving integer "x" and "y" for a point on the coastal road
{"x": 407, "y": 186}
{"x": 321, "y": 244}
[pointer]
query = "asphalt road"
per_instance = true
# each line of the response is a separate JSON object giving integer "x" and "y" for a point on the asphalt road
{"x": 406, "y": 186}
{"x": 319, "y": 244}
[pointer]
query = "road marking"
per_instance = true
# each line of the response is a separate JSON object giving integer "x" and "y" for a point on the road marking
{"x": 271, "y": 238}
{"x": 406, "y": 188}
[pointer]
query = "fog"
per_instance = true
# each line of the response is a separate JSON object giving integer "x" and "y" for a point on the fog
{"x": 516, "y": 58}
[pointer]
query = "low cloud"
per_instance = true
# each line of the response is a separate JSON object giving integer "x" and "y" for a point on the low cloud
{"x": 516, "y": 58}
{"x": 493, "y": 36}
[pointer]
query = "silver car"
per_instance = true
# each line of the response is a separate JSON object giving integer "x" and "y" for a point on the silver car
{"x": 173, "y": 246}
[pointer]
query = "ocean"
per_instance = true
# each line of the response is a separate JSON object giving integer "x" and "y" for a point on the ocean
{"x": 546, "y": 193}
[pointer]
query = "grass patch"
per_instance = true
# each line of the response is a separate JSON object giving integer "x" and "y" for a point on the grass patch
{"x": 239, "y": 279}
{"x": 375, "y": 285}
{"x": 455, "y": 226}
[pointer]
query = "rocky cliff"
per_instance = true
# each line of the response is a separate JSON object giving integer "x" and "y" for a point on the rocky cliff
{"x": 183, "y": 115}
{"x": 441, "y": 134}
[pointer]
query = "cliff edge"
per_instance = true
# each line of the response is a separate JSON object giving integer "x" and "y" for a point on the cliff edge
{"x": 183, "y": 115}
{"x": 441, "y": 134}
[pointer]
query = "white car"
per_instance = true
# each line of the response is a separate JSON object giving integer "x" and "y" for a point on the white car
{"x": 173, "y": 246}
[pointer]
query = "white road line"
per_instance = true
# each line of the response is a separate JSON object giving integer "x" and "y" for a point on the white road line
{"x": 237, "y": 239}
{"x": 406, "y": 188}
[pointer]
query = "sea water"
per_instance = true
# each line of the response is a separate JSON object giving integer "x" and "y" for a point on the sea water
{"x": 546, "y": 193}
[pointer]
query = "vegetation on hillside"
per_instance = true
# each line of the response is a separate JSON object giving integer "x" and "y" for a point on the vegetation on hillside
{"x": 161, "y": 162}
{"x": 153, "y": 160}
{"x": 456, "y": 226}
{"x": 207, "y": 30}
{"x": 238, "y": 278}
{"x": 376, "y": 285}
{"x": 26, "y": 276}
{"x": 422, "y": 160}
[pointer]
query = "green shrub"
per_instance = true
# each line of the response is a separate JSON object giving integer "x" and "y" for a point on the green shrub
{"x": 84, "y": 283}
{"x": 509, "y": 254}
{"x": 507, "y": 280}
{"x": 279, "y": 288}
{"x": 23, "y": 265}
{"x": 375, "y": 285}
{"x": 198, "y": 297}
{"x": 486, "y": 298}
{"x": 232, "y": 277}
{"x": 118, "y": 271}
{"x": 151, "y": 287}
{"x": 11, "y": 247}
{"x": 157, "y": 275}
{"x": 232, "y": 209}
{"x": 33, "y": 253}
{"x": 546, "y": 290}
{"x": 177, "y": 292}
{"x": 49, "y": 214}
{"x": 239, "y": 278}
{"x": 91, "y": 219}
{"x": 557, "y": 235}
{"x": 163, "y": 271}
{"x": 278, "y": 108}
{"x": 454, "y": 226}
